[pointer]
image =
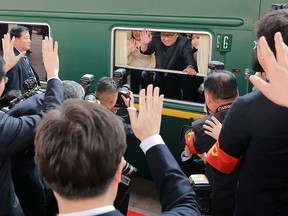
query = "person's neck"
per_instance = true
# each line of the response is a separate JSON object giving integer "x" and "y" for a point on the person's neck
{"x": 83, "y": 204}
{"x": 220, "y": 106}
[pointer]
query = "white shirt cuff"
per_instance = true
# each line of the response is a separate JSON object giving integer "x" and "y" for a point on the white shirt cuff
{"x": 185, "y": 158}
{"x": 150, "y": 142}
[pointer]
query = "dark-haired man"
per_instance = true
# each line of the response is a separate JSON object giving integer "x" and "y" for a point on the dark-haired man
{"x": 23, "y": 69}
{"x": 17, "y": 133}
{"x": 35, "y": 198}
{"x": 172, "y": 52}
{"x": 254, "y": 138}
{"x": 220, "y": 90}
{"x": 107, "y": 94}
{"x": 85, "y": 182}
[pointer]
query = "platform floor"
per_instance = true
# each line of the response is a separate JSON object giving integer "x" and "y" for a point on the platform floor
{"x": 144, "y": 197}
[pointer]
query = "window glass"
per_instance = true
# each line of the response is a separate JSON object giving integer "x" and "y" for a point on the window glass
{"x": 163, "y": 58}
{"x": 37, "y": 33}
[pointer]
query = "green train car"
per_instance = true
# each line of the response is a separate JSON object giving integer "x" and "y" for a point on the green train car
{"x": 94, "y": 35}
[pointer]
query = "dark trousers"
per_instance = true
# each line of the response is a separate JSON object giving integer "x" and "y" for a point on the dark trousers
{"x": 28, "y": 186}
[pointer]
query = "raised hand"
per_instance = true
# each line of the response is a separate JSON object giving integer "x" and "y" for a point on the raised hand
{"x": 132, "y": 46}
{"x": 8, "y": 53}
{"x": 50, "y": 57}
{"x": 145, "y": 36}
{"x": 148, "y": 121}
{"x": 276, "y": 70}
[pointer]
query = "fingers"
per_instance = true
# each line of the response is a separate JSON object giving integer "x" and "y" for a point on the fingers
{"x": 260, "y": 84}
{"x": 281, "y": 50}
{"x": 132, "y": 115}
{"x": 265, "y": 56}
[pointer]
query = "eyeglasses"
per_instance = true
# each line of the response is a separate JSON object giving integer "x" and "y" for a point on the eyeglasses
{"x": 255, "y": 43}
{"x": 168, "y": 35}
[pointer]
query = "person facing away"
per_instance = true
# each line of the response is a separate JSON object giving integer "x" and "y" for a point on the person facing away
{"x": 85, "y": 182}
{"x": 254, "y": 139}
{"x": 23, "y": 69}
{"x": 173, "y": 52}
{"x": 276, "y": 69}
{"x": 35, "y": 198}
{"x": 107, "y": 94}
{"x": 17, "y": 133}
{"x": 220, "y": 90}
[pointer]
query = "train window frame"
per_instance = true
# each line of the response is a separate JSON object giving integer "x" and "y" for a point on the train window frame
{"x": 35, "y": 57}
{"x": 123, "y": 62}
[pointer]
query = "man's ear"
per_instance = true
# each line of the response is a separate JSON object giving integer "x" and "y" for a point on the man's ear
{"x": 118, "y": 173}
{"x": 207, "y": 97}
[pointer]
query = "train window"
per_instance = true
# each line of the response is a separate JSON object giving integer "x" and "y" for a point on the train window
{"x": 161, "y": 57}
{"x": 37, "y": 32}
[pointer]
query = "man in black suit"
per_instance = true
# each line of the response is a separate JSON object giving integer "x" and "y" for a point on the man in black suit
{"x": 80, "y": 148}
{"x": 220, "y": 90}
{"x": 17, "y": 133}
{"x": 23, "y": 69}
{"x": 35, "y": 198}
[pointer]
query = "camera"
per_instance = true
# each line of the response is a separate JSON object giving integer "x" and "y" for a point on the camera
{"x": 214, "y": 66}
{"x": 85, "y": 81}
{"x": 30, "y": 86}
{"x": 123, "y": 89}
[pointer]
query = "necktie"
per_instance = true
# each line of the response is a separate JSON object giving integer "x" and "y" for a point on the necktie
{"x": 30, "y": 71}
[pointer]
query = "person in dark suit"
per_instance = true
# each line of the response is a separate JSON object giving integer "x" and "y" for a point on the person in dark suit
{"x": 220, "y": 90}
{"x": 17, "y": 133}
{"x": 172, "y": 52}
{"x": 35, "y": 198}
{"x": 23, "y": 69}
{"x": 80, "y": 148}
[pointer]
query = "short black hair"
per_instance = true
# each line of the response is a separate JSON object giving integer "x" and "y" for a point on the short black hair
{"x": 17, "y": 30}
{"x": 272, "y": 22}
{"x": 221, "y": 84}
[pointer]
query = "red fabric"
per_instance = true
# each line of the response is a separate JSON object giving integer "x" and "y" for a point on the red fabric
{"x": 221, "y": 161}
{"x": 133, "y": 213}
{"x": 190, "y": 142}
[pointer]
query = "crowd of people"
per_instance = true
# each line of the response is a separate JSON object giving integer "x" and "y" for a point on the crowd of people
{"x": 80, "y": 146}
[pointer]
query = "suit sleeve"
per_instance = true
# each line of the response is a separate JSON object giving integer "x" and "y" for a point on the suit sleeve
{"x": 18, "y": 133}
{"x": 30, "y": 106}
{"x": 176, "y": 194}
{"x": 233, "y": 141}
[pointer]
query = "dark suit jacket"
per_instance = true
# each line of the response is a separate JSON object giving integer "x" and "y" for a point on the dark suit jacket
{"x": 18, "y": 74}
{"x": 176, "y": 194}
{"x": 15, "y": 135}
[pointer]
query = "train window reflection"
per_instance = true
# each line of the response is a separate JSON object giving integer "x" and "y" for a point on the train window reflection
{"x": 37, "y": 33}
{"x": 175, "y": 61}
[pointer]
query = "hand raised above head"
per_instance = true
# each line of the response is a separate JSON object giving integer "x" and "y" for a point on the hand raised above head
{"x": 8, "y": 53}
{"x": 145, "y": 37}
{"x": 50, "y": 57}
{"x": 276, "y": 70}
{"x": 148, "y": 121}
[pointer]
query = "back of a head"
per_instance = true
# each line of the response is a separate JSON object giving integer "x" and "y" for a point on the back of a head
{"x": 221, "y": 85}
{"x": 79, "y": 148}
{"x": 17, "y": 30}
{"x": 105, "y": 86}
{"x": 73, "y": 89}
{"x": 272, "y": 22}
